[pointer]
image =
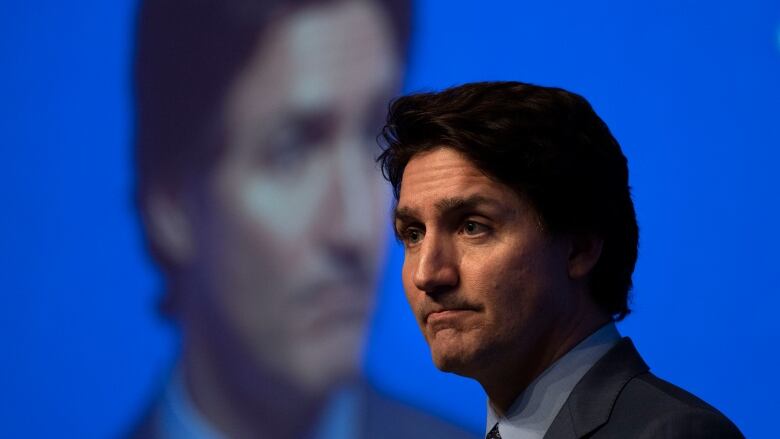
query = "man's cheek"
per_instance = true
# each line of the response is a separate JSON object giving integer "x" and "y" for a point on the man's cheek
{"x": 409, "y": 291}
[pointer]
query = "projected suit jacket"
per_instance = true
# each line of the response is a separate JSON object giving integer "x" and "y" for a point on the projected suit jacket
{"x": 377, "y": 417}
{"x": 620, "y": 398}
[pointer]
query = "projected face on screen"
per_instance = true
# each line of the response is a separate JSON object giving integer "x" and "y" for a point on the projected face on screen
{"x": 289, "y": 230}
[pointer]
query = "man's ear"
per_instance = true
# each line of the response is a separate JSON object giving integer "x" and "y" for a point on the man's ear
{"x": 584, "y": 253}
{"x": 168, "y": 227}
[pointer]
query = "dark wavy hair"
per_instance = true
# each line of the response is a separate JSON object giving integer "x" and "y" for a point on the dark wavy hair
{"x": 549, "y": 146}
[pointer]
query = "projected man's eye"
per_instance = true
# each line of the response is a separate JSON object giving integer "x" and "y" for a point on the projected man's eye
{"x": 291, "y": 145}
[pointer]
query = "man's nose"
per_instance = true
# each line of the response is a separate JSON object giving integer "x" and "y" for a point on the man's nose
{"x": 352, "y": 186}
{"x": 437, "y": 270}
{"x": 348, "y": 206}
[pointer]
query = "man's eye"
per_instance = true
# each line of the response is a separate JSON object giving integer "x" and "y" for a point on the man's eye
{"x": 412, "y": 236}
{"x": 473, "y": 228}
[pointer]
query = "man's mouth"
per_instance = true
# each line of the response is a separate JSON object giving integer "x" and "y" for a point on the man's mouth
{"x": 447, "y": 317}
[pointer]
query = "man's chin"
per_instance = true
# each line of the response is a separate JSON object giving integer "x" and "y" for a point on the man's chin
{"x": 452, "y": 357}
{"x": 450, "y": 363}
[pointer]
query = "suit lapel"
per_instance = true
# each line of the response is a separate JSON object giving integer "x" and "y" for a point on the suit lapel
{"x": 590, "y": 403}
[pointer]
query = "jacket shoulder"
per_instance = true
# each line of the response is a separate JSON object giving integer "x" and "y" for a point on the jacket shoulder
{"x": 649, "y": 407}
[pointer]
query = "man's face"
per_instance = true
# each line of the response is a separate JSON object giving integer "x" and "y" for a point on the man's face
{"x": 486, "y": 284}
{"x": 288, "y": 234}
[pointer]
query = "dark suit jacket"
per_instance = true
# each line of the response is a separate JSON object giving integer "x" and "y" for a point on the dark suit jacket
{"x": 620, "y": 398}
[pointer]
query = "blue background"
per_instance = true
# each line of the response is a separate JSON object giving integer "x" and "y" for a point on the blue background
{"x": 690, "y": 89}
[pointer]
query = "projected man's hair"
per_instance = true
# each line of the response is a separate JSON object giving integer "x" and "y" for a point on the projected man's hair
{"x": 187, "y": 55}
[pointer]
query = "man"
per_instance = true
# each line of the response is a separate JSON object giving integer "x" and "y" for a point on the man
{"x": 262, "y": 207}
{"x": 520, "y": 240}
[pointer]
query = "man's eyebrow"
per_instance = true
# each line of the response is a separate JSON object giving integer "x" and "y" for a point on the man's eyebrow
{"x": 457, "y": 204}
{"x": 445, "y": 206}
{"x": 405, "y": 214}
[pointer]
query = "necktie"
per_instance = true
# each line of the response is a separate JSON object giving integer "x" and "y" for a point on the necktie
{"x": 493, "y": 433}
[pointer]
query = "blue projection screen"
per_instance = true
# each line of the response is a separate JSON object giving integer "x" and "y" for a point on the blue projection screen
{"x": 690, "y": 89}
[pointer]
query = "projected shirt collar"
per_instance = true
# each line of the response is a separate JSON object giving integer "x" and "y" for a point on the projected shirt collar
{"x": 180, "y": 419}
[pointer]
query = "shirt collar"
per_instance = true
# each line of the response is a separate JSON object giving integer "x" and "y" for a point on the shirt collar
{"x": 534, "y": 410}
{"x": 179, "y": 416}
{"x": 340, "y": 418}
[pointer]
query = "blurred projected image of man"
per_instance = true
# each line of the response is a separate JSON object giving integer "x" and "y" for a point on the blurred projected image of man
{"x": 256, "y": 134}
{"x": 520, "y": 240}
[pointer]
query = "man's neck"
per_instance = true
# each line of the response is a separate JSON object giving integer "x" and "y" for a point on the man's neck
{"x": 505, "y": 382}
